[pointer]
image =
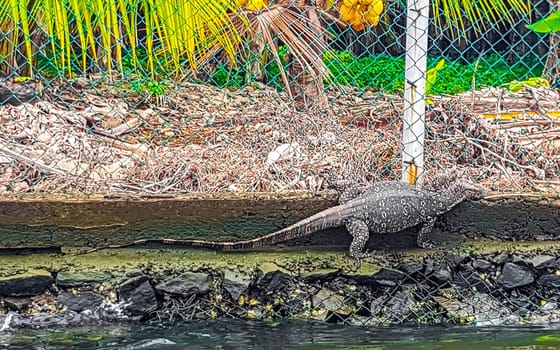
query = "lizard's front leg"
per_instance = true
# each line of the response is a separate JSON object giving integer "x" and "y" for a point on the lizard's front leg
{"x": 422, "y": 240}
{"x": 360, "y": 235}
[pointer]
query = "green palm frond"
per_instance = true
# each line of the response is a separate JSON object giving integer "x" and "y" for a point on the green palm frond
{"x": 277, "y": 24}
{"x": 455, "y": 13}
{"x": 101, "y": 29}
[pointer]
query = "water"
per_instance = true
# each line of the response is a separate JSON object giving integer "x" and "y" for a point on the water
{"x": 286, "y": 335}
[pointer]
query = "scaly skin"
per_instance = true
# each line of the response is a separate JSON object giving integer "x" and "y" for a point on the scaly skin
{"x": 384, "y": 207}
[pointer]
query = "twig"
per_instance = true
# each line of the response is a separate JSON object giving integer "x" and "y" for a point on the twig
{"x": 506, "y": 173}
{"x": 136, "y": 148}
{"x": 513, "y": 195}
{"x": 291, "y": 183}
{"x": 30, "y": 161}
{"x": 124, "y": 128}
{"x": 538, "y": 172}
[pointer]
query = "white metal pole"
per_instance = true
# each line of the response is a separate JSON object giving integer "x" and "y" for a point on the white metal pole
{"x": 414, "y": 90}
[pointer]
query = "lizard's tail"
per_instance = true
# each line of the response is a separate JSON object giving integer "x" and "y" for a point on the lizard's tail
{"x": 329, "y": 218}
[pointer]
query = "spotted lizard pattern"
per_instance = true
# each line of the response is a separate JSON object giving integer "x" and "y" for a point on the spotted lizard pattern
{"x": 384, "y": 207}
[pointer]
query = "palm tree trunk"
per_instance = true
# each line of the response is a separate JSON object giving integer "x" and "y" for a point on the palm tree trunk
{"x": 308, "y": 91}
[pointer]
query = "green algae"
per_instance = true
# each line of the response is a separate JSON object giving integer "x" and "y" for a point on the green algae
{"x": 28, "y": 273}
{"x": 298, "y": 261}
{"x": 125, "y": 261}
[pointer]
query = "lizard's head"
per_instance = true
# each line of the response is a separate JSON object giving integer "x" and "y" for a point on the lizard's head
{"x": 469, "y": 190}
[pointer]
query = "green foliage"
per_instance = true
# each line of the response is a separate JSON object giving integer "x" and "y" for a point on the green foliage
{"x": 380, "y": 72}
{"x": 151, "y": 87}
{"x": 432, "y": 74}
{"x": 99, "y": 30}
{"x": 227, "y": 77}
{"x": 455, "y": 14}
{"x": 549, "y": 24}
{"x": 386, "y": 73}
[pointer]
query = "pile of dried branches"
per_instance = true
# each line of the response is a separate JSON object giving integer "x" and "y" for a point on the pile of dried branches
{"x": 199, "y": 138}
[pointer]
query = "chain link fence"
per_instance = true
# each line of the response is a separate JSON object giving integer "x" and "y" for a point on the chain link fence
{"x": 425, "y": 302}
{"x": 516, "y": 286}
{"x": 212, "y": 96}
{"x": 129, "y": 97}
{"x": 479, "y": 289}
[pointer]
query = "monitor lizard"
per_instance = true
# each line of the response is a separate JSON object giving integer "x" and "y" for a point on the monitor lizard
{"x": 384, "y": 207}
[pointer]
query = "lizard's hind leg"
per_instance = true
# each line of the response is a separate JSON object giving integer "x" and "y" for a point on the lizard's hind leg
{"x": 423, "y": 239}
{"x": 360, "y": 235}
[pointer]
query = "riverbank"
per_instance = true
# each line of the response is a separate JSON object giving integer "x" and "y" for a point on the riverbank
{"x": 483, "y": 284}
{"x": 479, "y": 273}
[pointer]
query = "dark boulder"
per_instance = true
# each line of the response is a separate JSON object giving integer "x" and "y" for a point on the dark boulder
{"x": 442, "y": 274}
{"x": 472, "y": 279}
{"x": 236, "y": 284}
{"x": 26, "y": 284}
{"x": 542, "y": 261}
{"x": 482, "y": 265}
{"x": 81, "y": 301}
{"x": 17, "y": 304}
{"x": 412, "y": 268}
{"x": 187, "y": 284}
{"x": 138, "y": 296}
{"x": 550, "y": 280}
{"x": 67, "y": 279}
{"x": 388, "y": 277}
{"x": 514, "y": 275}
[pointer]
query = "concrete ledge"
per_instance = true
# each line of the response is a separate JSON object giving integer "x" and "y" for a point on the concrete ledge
{"x": 39, "y": 222}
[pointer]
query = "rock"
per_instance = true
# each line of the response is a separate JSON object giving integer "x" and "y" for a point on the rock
{"x": 81, "y": 301}
{"x": 67, "y": 279}
{"x": 398, "y": 308}
{"x": 138, "y": 296}
{"x": 500, "y": 258}
{"x": 30, "y": 283}
{"x": 273, "y": 285}
{"x": 235, "y": 289}
{"x": 514, "y": 275}
{"x": 472, "y": 279}
{"x": 549, "y": 306}
{"x": 298, "y": 302}
{"x": 17, "y": 304}
{"x": 275, "y": 281}
{"x": 454, "y": 260}
{"x": 550, "y": 280}
{"x": 480, "y": 309}
{"x": 53, "y": 320}
{"x": 328, "y": 300}
{"x": 388, "y": 277}
{"x": 321, "y": 277}
{"x": 442, "y": 274}
{"x": 236, "y": 284}
{"x": 187, "y": 284}
{"x": 542, "y": 261}
{"x": 429, "y": 264}
{"x": 483, "y": 265}
{"x": 412, "y": 268}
